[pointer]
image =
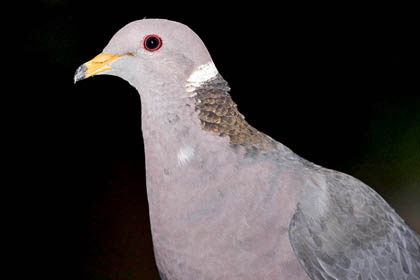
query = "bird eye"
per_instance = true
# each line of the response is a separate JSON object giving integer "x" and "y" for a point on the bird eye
{"x": 152, "y": 43}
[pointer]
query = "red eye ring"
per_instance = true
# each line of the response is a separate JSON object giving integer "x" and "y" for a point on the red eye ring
{"x": 152, "y": 43}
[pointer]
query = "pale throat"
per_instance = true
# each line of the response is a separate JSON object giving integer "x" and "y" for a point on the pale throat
{"x": 170, "y": 119}
{"x": 198, "y": 77}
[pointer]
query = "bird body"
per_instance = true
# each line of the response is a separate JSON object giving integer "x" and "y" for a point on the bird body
{"x": 205, "y": 195}
{"x": 227, "y": 201}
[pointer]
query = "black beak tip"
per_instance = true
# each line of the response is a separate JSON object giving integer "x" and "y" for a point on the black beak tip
{"x": 80, "y": 73}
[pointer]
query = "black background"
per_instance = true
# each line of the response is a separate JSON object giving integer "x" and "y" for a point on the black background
{"x": 338, "y": 85}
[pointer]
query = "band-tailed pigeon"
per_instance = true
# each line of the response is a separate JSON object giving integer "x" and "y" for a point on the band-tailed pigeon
{"x": 227, "y": 201}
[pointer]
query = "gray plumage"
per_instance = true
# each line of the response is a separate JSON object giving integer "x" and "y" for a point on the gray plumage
{"x": 227, "y": 201}
{"x": 359, "y": 236}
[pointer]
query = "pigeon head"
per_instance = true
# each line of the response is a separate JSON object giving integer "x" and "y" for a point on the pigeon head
{"x": 152, "y": 54}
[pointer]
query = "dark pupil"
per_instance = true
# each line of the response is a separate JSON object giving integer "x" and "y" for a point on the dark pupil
{"x": 152, "y": 43}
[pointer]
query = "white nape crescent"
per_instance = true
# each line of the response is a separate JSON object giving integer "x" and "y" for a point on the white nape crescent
{"x": 202, "y": 74}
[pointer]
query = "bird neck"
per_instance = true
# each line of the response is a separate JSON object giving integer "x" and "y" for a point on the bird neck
{"x": 219, "y": 114}
{"x": 173, "y": 116}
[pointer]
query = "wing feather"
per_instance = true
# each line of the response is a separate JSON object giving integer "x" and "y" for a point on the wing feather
{"x": 357, "y": 236}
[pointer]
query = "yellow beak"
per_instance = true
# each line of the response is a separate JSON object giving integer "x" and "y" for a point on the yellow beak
{"x": 95, "y": 66}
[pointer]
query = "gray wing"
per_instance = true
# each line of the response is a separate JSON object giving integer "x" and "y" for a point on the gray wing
{"x": 356, "y": 235}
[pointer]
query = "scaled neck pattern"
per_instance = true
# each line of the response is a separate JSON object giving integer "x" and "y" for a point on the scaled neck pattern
{"x": 219, "y": 114}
